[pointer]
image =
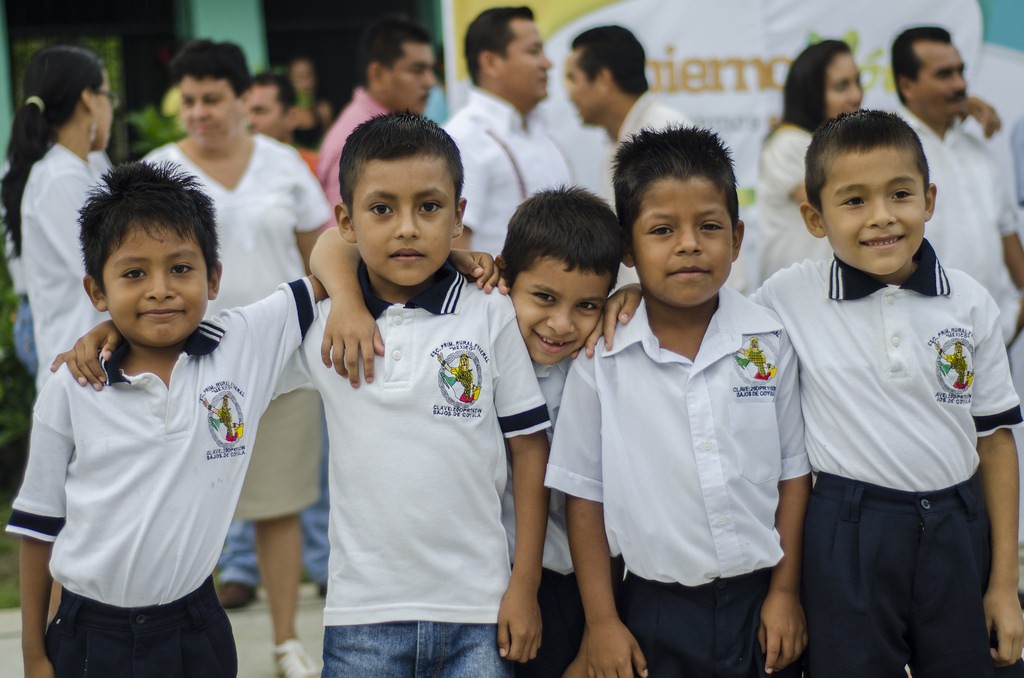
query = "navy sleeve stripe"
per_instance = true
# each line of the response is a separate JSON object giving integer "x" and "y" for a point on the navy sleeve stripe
{"x": 991, "y": 422}
{"x": 40, "y": 524}
{"x": 303, "y": 303}
{"x": 524, "y": 420}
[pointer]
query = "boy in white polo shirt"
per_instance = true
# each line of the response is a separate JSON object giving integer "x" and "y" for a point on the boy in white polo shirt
{"x": 419, "y": 578}
{"x": 910, "y": 548}
{"x": 682, "y": 447}
{"x": 129, "y": 491}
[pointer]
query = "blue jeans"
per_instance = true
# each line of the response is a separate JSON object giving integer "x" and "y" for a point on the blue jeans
{"x": 24, "y": 337}
{"x": 238, "y": 561}
{"x": 414, "y": 650}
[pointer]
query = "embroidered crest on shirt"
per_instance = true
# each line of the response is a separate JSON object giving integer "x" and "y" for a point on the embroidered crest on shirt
{"x": 459, "y": 378}
{"x": 224, "y": 419}
{"x": 757, "y": 363}
{"x": 954, "y": 365}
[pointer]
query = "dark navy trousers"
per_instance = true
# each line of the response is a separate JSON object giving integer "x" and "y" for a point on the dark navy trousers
{"x": 707, "y": 631}
{"x": 187, "y": 638}
{"x": 894, "y": 578}
{"x": 561, "y": 613}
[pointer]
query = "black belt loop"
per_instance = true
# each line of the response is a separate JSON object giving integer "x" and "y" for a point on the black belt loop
{"x": 969, "y": 498}
{"x": 65, "y": 620}
{"x": 851, "y": 502}
{"x": 196, "y": 600}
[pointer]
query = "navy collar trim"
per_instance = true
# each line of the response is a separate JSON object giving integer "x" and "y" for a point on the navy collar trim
{"x": 441, "y": 298}
{"x": 203, "y": 340}
{"x": 846, "y": 283}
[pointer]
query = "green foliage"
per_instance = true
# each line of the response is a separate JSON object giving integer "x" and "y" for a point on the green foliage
{"x": 17, "y": 391}
{"x": 152, "y": 129}
{"x": 9, "y": 594}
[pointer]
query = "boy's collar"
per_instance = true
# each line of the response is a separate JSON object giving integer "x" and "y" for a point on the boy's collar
{"x": 441, "y": 298}
{"x": 846, "y": 283}
{"x": 203, "y": 340}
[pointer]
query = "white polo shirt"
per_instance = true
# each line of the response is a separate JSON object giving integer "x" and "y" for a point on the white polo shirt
{"x": 686, "y": 456}
{"x": 551, "y": 379}
{"x": 135, "y": 485}
{"x": 886, "y": 397}
{"x": 507, "y": 158}
{"x": 973, "y": 212}
{"x": 417, "y": 460}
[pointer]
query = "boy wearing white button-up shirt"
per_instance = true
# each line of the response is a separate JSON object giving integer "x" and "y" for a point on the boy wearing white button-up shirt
{"x": 910, "y": 551}
{"x": 128, "y": 492}
{"x": 682, "y": 447}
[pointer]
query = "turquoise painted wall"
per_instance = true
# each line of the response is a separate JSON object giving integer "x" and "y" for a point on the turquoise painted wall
{"x": 1004, "y": 22}
{"x": 240, "y": 21}
{"x": 6, "y": 103}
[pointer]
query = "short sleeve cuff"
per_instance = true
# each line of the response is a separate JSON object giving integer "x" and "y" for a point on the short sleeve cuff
{"x": 525, "y": 423}
{"x": 989, "y": 424}
{"x": 573, "y": 484}
{"x": 302, "y": 291}
{"x": 795, "y": 466}
{"x": 43, "y": 528}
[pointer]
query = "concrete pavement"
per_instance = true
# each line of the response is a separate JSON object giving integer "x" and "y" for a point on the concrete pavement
{"x": 251, "y": 626}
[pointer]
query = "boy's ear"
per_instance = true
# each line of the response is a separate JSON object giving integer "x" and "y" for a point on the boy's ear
{"x": 213, "y": 284}
{"x": 737, "y": 238}
{"x": 96, "y": 295}
{"x": 460, "y": 209}
{"x": 627, "y": 255}
{"x": 929, "y": 201}
{"x": 812, "y": 220}
{"x": 348, "y": 232}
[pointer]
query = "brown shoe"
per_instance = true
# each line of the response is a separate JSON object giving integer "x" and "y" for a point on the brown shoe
{"x": 233, "y": 595}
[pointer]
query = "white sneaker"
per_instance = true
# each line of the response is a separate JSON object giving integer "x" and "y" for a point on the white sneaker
{"x": 293, "y": 662}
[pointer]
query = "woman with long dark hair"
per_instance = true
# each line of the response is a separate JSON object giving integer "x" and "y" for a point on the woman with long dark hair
{"x": 55, "y": 155}
{"x": 823, "y": 82}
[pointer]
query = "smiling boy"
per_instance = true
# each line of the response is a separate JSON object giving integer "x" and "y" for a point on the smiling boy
{"x": 910, "y": 550}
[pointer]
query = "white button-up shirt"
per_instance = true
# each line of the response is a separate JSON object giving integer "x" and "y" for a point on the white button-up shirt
{"x": 973, "y": 212}
{"x": 897, "y": 383}
{"x": 507, "y": 158}
{"x": 686, "y": 456}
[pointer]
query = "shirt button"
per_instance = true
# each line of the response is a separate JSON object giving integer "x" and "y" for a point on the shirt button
{"x": 895, "y": 341}
{"x": 707, "y": 446}
{"x": 397, "y": 320}
{"x": 721, "y": 521}
{"x": 140, "y": 619}
{"x": 925, "y": 504}
{"x": 890, "y": 299}
{"x": 396, "y": 354}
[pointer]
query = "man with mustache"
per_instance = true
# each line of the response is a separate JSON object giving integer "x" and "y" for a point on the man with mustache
{"x": 974, "y": 225}
{"x": 506, "y": 150}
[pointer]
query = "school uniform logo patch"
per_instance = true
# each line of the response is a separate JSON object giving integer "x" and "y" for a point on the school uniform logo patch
{"x": 954, "y": 365}
{"x": 224, "y": 418}
{"x": 757, "y": 363}
{"x": 459, "y": 378}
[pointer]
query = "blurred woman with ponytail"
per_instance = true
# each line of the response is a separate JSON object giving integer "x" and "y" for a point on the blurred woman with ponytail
{"x": 56, "y": 154}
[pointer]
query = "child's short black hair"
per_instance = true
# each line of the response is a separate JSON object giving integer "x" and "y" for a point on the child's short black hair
{"x": 155, "y": 198}
{"x": 676, "y": 152}
{"x": 857, "y": 132}
{"x": 569, "y": 224}
{"x": 392, "y": 136}
{"x": 202, "y": 59}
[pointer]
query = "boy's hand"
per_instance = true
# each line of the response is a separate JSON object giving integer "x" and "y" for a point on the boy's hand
{"x": 351, "y": 336}
{"x": 1003, "y": 615}
{"x": 619, "y": 308}
{"x": 480, "y": 266}
{"x": 985, "y": 114}
{"x": 38, "y": 667}
{"x": 612, "y": 652}
{"x": 519, "y": 624}
{"x": 83, "y": 358}
{"x": 578, "y": 667}
{"x": 783, "y": 630}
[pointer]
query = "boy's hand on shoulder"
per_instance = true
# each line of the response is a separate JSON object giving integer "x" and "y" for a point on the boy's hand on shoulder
{"x": 612, "y": 651}
{"x": 783, "y": 630}
{"x": 1003, "y": 616}
{"x": 479, "y": 266}
{"x": 519, "y": 624}
{"x": 83, "y": 360}
{"x": 351, "y": 337}
{"x": 619, "y": 309}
